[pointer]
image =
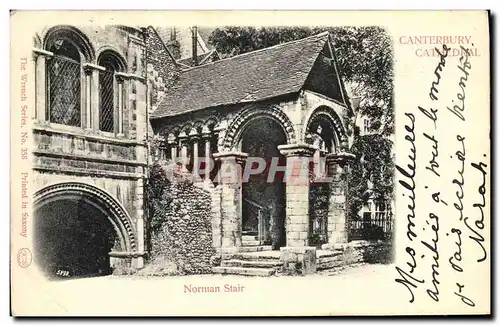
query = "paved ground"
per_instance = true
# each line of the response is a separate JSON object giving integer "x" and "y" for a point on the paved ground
{"x": 350, "y": 290}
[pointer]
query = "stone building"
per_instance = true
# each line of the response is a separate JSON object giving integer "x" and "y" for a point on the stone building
{"x": 90, "y": 149}
{"x": 186, "y": 44}
{"x": 103, "y": 94}
{"x": 286, "y": 102}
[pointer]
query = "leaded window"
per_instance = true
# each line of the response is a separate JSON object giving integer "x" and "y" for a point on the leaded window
{"x": 109, "y": 97}
{"x": 64, "y": 80}
{"x": 107, "y": 101}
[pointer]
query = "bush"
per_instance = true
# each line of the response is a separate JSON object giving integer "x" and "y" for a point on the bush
{"x": 180, "y": 226}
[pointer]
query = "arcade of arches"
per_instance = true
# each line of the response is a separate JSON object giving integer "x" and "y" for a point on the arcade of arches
{"x": 273, "y": 212}
{"x": 92, "y": 114}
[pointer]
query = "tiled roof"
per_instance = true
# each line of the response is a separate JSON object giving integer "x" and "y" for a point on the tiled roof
{"x": 250, "y": 77}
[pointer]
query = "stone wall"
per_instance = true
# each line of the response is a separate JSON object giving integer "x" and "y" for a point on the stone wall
{"x": 113, "y": 162}
{"x": 356, "y": 252}
{"x": 181, "y": 226}
{"x": 163, "y": 71}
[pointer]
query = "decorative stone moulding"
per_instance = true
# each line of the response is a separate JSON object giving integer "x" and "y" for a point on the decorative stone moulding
{"x": 340, "y": 158}
{"x": 238, "y": 157}
{"x": 299, "y": 150}
{"x": 108, "y": 202}
{"x": 332, "y": 117}
{"x": 237, "y": 125}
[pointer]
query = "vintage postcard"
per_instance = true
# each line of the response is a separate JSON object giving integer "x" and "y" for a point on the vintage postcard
{"x": 260, "y": 163}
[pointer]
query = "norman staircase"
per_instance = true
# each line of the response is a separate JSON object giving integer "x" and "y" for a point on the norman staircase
{"x": 253, "y": 259}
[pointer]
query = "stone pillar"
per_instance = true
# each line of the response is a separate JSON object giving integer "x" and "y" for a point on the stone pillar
{"x": 119, "y": 111}
{"x": 172, "y": 142}
{"x": 231, "y": 199}
{"x": 183, "y": 142}
{"x": 208, "y": 165}
{"x": 41, "y": 83}
{"x": 93, "y": 101}
{"x": 337, "y": 205}
{"x": 162, "y": 150}
{"x": 297, "y": 193}
{"x": 297, "y": 256}
{"x": 196, "y": 161}
{"x": 88, "y": 95}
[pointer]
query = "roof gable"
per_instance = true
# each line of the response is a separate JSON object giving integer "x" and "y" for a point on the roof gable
{"x": 324, "y": 79}
{"x": 250, "y": 77}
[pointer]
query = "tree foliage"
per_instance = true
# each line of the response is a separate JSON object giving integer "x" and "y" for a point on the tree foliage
{"x": 372, "y": 174}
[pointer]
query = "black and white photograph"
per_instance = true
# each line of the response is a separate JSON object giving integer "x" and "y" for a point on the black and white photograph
{"x": 215, "y": 157}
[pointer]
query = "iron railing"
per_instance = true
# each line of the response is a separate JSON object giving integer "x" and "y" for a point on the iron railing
{"x": 262, "y": 220}
{"x": 106, "y": 101}
{"x": 64, "y": 95}
{"x": 318, "y": 212}
{"x": 376, "y": 226}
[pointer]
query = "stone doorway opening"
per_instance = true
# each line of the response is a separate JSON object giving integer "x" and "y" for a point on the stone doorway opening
{"x": 73, "y": 239}
{"x": 264, "y": 201}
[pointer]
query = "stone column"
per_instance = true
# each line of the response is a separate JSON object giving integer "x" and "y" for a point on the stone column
{"x": 183, "y": 142}
{"x": 92, "y": 107}
{"x": 208, "y": 166}
{"x": 88, "y": 95}
{"x": 337, "y": 205}
{"x": 297, "y": 256}
{"x": 172, "y": 144}
{"x": 41, "y": 83}
{"x": 119, "y": 113}
{"x": 139, "y": 223}
{"x": 173, "y": 148}
{"x": 297, "y": 193}
{"x": 231, "y": 199}
{"x": 196, "y": 161}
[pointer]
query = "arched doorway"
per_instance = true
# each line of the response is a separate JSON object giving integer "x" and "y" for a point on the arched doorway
{"x": 264, "y": 202}
{"x": 76, "y": 227}
{"x": 323, "y": 131}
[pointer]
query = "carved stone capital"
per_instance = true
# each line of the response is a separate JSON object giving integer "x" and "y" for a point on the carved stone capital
{"x": 172, "y": 140}
{"x": 120, "y": 77}
{"x": 88, "y": 68}
{"x": 341, "y": 158}
{"x": 297, "y": 150}
{"x": 40, "y": 52}
{"x": 207, "y": 135}
{"x": 238, "y": 157}
{"x": 183, "y": 139}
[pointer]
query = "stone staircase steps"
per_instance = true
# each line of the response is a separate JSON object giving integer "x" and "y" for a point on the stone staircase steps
{"x": 248, "y": 238}
{"x": 247, "y": 271}
{"x": 251, "y": 263}
{"x": 255, "y": 248}
{"x": 328, "y": 259}
{"x": 256, "y": 256}
{"x": 250, "y": 243}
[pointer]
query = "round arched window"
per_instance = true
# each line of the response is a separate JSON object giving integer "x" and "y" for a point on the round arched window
{"x": 64, "y": 83}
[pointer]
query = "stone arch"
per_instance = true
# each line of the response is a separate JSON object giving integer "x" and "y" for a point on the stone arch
{"x": 73, "y": 35}
{"x": 242, "y": 119}
{"x": 198, "y": 125}
{"x": 99, "y": 199}
{"x": 186, "y": 127}
{"x": 111, "y": 53}
{"x": 211, "y": 122}
{"x": 328, "y": 115}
